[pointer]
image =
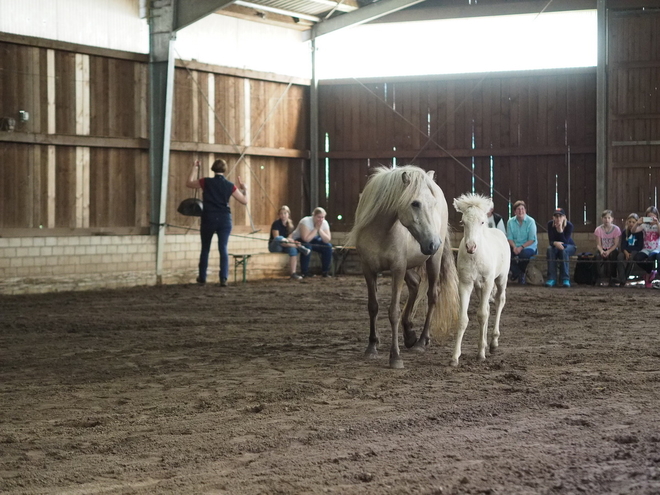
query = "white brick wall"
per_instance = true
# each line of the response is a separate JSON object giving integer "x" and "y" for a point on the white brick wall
{"x": 53, "y": 264}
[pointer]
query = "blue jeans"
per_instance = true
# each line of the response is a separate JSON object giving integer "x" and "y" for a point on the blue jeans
{"x": 520, "y": 261}
{"x": 564, "y": 255}
{"x": 275, "y": 246}
{"x": 324, "y": 248}
{"x": 215, "y": 224}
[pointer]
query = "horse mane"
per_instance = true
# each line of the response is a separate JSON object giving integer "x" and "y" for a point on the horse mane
{"x": 385, "y": 192}
{"x": 471, "y": 200}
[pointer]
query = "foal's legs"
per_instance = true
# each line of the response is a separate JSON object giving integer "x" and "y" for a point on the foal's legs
{"x": 372, "y": 305}
{"x": 465, "y": 291}
{"x": 482, "y": 314}
{"x": 412, "y": 280}
{"x": 500, "y": 299}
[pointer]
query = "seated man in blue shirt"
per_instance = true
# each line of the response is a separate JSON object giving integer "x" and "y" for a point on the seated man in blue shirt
{"x": 521, "y": 234}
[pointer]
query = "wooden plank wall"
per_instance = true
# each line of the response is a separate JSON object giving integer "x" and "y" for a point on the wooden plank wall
{"x": 218, "y": 116}
{"x": 634, "y": 111}
{"x": 80, "y": 163}
{"x": 81, "y": 160}
{"x": 537, "y": 129}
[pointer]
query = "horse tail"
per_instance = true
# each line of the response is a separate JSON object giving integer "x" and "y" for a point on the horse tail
{"x": 446, "y": 314}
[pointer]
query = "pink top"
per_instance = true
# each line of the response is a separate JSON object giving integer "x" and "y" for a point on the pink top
{"x": 651, "y": 237}
{"x": 608, "y": 240}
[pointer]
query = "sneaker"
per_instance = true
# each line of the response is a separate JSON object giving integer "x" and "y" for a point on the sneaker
{"x": 655, "y": 284}
{"x": 304, "y": 250}
{"x": 295, "y": 276}
{"x": 551, "y": 283}
{"x": 327, "y": 275}
{"x": 223, "y": 282}
{"x": 513, "y": 277}
{"x": 307, "y": 275}
{"x": 647, "y": 280}
{"x": 565, "y": 283}
{"x": 201, "y": 281}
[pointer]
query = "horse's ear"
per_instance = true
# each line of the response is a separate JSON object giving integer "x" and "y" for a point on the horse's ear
{"x": 431, "y": 174}
{"x": 405, "y": 178}
{"x": 456, "y": 205}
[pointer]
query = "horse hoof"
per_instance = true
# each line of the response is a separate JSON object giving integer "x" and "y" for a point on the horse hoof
{"x": 396, "y": 364}
{"x": 454, "y": 363}
{"x": 421, "y": 345}
{"x": 418, "y": 347}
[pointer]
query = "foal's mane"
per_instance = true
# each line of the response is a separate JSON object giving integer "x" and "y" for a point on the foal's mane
{"x": 386, "y": 191}
{"x": 471, "y": 200}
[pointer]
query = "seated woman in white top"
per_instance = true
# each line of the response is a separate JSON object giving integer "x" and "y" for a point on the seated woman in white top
{"x": 314, "y": 233}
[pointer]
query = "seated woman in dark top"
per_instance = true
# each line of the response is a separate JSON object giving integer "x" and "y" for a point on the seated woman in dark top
{"x": 631, "y": 244}
{"x": 561, "y": 247}
{"x": 281, "y": 242}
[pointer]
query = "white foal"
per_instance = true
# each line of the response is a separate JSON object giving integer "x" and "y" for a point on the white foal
{"x": 483, "y": 262}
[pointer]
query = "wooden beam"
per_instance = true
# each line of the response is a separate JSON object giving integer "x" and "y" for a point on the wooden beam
{"x": 71, "y": 140}
{"x": 238, "y": 150}
{"x": 72, "y": 47}
{"x": 457, "y": 153}
{"x": 616, "y": 165}
{"x": 246, "y": 73}
{"x": 138, "y": 143}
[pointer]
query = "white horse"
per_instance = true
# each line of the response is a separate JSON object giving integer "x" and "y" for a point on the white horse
{"x": 401, "y": 225}
{"x": 483, "y": 262}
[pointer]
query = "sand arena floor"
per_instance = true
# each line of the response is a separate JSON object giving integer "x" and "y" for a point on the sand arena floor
{"x": 263, "y": 389}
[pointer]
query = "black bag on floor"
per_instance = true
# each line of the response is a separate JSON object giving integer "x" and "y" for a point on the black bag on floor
{"x": 586, "y": 271}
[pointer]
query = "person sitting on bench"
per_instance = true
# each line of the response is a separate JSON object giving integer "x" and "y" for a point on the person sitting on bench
{"x": 281, "y": 242}
{"x": 314, "y": 233}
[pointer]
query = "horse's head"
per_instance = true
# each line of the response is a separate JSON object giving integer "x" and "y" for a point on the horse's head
{"x": 474, "y": 209}
{"x": 419, "y": 210}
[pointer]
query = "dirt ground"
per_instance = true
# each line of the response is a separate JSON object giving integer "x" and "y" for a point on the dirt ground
{"x": 263, "y": 389}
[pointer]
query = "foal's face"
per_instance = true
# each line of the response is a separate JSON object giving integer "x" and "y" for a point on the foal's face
{"x": 474, "y": 221}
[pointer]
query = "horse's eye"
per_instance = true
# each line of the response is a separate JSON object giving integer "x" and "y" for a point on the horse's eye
{"x": 416, "y": 204}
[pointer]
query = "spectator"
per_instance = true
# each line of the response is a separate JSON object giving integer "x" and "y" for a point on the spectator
{"x": 609, "y": 237}
{"x": 281, "y": 242}
{"x": 521, "y": 234}
{"x": 314, "y": 233}
{"x": 649, "y": 255}
{"x": 561, "y": 247}
{"x": 496, "y": 221}
{"x": 631, "y": 243}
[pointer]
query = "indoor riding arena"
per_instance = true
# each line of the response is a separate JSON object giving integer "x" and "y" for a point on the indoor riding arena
{"x": 120, "y": 373}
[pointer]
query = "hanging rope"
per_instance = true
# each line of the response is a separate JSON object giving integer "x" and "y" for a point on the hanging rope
{"x": 232, "y": 142}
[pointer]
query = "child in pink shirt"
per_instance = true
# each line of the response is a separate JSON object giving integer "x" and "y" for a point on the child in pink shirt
{"x": 609, "y": 236}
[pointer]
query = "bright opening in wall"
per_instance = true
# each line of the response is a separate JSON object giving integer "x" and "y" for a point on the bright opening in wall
{"x": 449, "y": 46}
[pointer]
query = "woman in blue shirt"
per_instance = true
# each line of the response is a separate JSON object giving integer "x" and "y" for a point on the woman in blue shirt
{"x": 521, "y": 234}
